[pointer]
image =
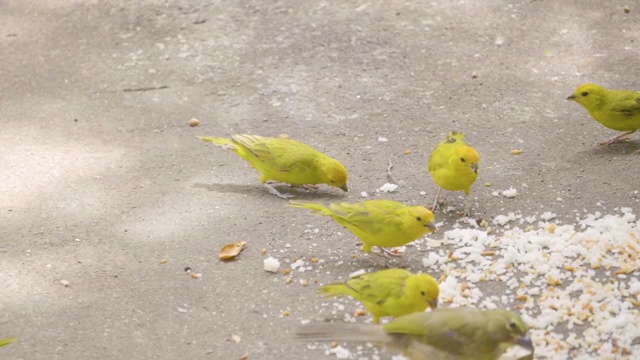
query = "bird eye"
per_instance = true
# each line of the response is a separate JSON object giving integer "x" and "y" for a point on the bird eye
{"x": 422, "y": 293}
{"x": 418, "y": 218}
{"x": 584, "y": 93}
{"x": 462, "y": 159}
{"x": 512, "y": 324}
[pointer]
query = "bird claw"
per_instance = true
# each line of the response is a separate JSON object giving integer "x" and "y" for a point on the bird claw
{"x": 616, "y": 139}
{"x": 384, "y": 251}
{"x": 277, "y": 193}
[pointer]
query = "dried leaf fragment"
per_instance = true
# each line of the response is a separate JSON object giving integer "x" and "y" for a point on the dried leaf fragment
{"x": 516, "y": 152}
{"x": 230, "y": 251}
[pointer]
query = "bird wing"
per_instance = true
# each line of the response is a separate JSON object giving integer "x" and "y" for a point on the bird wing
{"x": 376, "y": 216}
{"x": 449, "y": 331}
{"x": 357, "y": 215}
{"x": 379, "y": 286}
{"x": 280, "y": 154}
{"x": 629, "y": 105}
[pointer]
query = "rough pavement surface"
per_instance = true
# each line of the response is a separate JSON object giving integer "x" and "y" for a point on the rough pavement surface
{"x": 101, "y": 177}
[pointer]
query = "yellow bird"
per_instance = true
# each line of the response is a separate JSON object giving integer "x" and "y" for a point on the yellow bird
{"x": 381, "y": 223}
{"x": 615, "y": 109}
{"x": 453, "y": 166}
{"x": 284, "y": 160}
{"x": 390, "y": 292}
{"x": 442, "y": 334}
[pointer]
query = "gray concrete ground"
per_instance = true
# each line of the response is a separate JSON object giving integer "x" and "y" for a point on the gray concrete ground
{"x": 101, "y": 177}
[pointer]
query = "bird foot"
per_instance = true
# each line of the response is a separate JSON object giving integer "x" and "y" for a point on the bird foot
{"x": 277, "y": 193}
{"x": 616, "y": 139}
{"x": 384, "y": 251}
{"x": 437, "y": 205}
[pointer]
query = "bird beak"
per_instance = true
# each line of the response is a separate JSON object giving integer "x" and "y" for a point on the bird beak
{"x": 474, "y": 167}
{"x": 431, "y": 226}
{"x": 344, "y": 188}
{"x": 571, "y": 97}
{"x": 525, "y": 342}
{"x": 434, "y": 303}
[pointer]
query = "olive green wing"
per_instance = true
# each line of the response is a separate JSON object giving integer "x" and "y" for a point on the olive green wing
{"x": 374, "y": 216}
{"x": 280, "y": 154}
{"x": 464, "y": 332}
{"x": 379, "y": 286}
{"x": 628, "y": 104}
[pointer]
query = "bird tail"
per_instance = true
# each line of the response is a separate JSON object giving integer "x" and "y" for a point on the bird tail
{"x": 222, "y": 142}
{"x": 334, "y": 290}
{"x": 454, "y": 136}
{"x": 316, "y": 208}
{"x": 343, "y": 332}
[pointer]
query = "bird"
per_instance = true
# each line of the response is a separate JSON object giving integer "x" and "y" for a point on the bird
{"x": 285, "y": 160}
{"x": 389, "y": 292}
{"x": 380, "y": 223}
{"x": 453, "y": 166}
{"x": 461, "y": 333}
{"x": 615, "y": 109}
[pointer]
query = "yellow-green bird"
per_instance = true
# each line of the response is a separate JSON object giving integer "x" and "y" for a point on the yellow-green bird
{"x": 381, "y": 223}
{"x": 442, "y": 334}
{"x": 7, "y": 341}
{"x": 453, "y": 166}
{"x": 284, "y": 160}
{"x": 390, "y": 292}
{"x": 615, "y": 109}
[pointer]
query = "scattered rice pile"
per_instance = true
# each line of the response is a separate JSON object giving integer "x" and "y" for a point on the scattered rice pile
{"x": 576, "y": 285}
{"x": 578, "y": 280}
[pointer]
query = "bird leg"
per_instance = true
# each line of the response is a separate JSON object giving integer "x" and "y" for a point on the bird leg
{"x": 465, "y": 211}
{"x": 615, "y": 139}
{"x": 276, "y": 192}
{"x": 435, "y": 203}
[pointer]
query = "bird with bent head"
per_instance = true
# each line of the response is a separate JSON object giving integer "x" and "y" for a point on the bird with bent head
{"x": 443, "y": 334}
{"x": 381, "y": 223}
{"x": 389, "y": 292}
{"x": 284, "y": 160}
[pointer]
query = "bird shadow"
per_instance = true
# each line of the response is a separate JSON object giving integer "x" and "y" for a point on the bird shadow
{"x": 621, "y": 148}
{"x": 297, "y": 192}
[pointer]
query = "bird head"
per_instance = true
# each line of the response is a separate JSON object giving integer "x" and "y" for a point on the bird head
{"x": 424, "y": 217}
{"x": 588, "y": 95}
{"x": 336, "y": 175}
{"x": 466, "y": 157}
{"x": 427, "y": 287}
{"x": 516, "y": 330}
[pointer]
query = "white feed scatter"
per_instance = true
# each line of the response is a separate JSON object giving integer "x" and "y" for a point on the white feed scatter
{"x": 577, "y": 286}
{"x": 364, "y": 194}
{"x": 271, "y": 264}
{"x": 382, "y": 139}
{"x": 510, "y": 192}
{"x": 357, "y": 273}
{"x": 340, "y": 352}
{"x": 388, "y": 187}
